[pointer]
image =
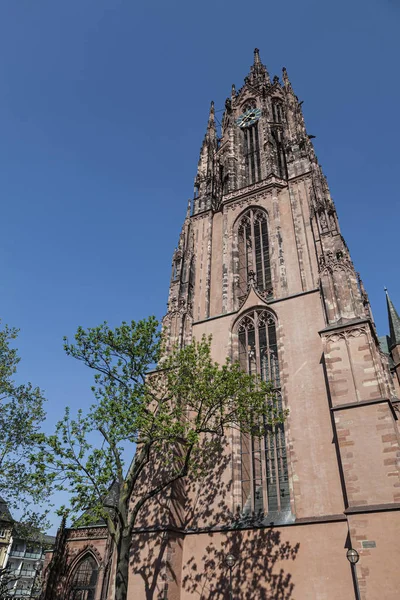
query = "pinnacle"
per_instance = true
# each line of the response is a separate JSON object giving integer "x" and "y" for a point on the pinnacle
{"x": 258, "y": 72}
{"x": 394, "y": 321}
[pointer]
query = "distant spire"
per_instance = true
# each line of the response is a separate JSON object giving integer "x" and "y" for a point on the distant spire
{"x": 394, "y": 322}
{"x": 257, "y": 60}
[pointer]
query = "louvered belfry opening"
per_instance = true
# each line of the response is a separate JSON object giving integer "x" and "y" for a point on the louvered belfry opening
{"x": 263, "y": 465}
{"x": 253, "y": 246}
{"x": 84, "y": 580}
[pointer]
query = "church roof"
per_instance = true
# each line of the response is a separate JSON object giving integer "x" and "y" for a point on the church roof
{"x": 394, "y": 322}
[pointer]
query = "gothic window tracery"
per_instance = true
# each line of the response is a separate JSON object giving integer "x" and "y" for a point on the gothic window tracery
{"x": 253, "y": 247}
{"x": 277, "y": 110}
{"x": 263, "y": 461}
{"x": 281, "y": 165}
{"x": 252, "y": 157}
{"x": 84, "y": 580}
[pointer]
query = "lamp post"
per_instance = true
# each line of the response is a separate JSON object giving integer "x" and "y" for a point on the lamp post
{"x": 353, "y": 557}
{"x": 38, "y": 568}
{"x": 230, "y": 561}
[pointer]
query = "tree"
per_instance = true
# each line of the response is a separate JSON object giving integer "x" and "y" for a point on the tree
{"x": 7, "y": 580}
{"x": 175, "y": 416}
{"x": 21, "y": 415}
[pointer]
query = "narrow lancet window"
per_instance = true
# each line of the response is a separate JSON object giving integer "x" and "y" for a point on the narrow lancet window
{"x": 253, "y": 248}
{"x": 263, "y": 461}
{"x": 252, "y": 158}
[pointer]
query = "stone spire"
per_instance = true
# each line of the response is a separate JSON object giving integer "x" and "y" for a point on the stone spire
{"x": 394, "y": 322}
{"x": 211, "y": 133}
{"x": 205, "y": 178}
{"x": 258, "y": 73}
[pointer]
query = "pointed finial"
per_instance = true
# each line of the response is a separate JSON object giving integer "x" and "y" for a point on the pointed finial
{"x": 285, "y": 78}
{"x": 386, "y": 290}
{"x": 189, "y": 206}
{"x": 257, "y": 56}
{"x": 212, "y": 114}
{"x": 233, "y": 92}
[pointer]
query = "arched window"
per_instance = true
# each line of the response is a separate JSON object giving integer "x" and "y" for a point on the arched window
{"x": 263, "y": 461}
{"x": 253, "y": 248}
{"x": 84, "y": 580}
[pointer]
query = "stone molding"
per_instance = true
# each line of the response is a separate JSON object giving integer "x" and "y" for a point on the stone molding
{"x": 87, "y": 533}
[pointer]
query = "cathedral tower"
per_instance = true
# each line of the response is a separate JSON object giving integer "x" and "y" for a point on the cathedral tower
{"x": 261, "y": 265}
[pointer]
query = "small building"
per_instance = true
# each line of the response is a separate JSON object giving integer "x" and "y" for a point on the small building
{"x": 25, "y": 562}
{"x": 6, "y": 525}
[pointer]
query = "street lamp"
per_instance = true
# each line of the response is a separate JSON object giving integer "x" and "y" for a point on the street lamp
{"x": 230, "y": 561}
{"x": 38, "y": 567}
{"x": 353, "y": 557}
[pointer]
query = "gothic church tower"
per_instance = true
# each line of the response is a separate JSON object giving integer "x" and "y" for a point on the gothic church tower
{"x": 261, "y": 265}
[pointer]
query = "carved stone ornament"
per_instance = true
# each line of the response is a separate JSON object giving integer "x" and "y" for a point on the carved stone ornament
{"x": 264, "y": 295}
{"x": 334, "y": 261}
{"x": 246, "y": 191}
{"x": 346, "y": 334}
{"x": 89, "y": 532}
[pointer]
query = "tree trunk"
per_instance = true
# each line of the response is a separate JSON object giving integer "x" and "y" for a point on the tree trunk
{"x": 122, "y": 567}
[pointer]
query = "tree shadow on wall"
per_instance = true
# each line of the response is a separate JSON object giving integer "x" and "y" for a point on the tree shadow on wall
{"x": 257, "y": 574}
{"x": 198, "y": 508}
{"x": 188, "y": 504}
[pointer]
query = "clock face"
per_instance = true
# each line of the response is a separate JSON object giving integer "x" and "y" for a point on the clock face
{"x": 248, "y": 118}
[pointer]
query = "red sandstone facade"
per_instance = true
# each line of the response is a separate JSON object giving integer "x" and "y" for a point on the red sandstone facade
{"x": 262, "y": 266}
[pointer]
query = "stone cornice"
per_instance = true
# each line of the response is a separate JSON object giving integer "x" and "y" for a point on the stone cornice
{"x": 235, "y": 527}
{"x": 245, "y": 192}
{"x": 372, "y": 508}
{"x": 354, "y": 323}
{"x": 358, "y": 404}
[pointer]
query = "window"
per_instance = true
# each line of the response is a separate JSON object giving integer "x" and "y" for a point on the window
{"x": 2, "y": 533}
{"x": 263, "y": 461}
{"x": 251, "y": 146}
{"x": 277, "y": 111}
{"x": 280, "y": 152}
{"x": 253, "y": 247}
{"x": 84, "y": 579}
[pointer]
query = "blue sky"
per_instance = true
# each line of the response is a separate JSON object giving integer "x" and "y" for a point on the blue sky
{"x": 103, "y": 107}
